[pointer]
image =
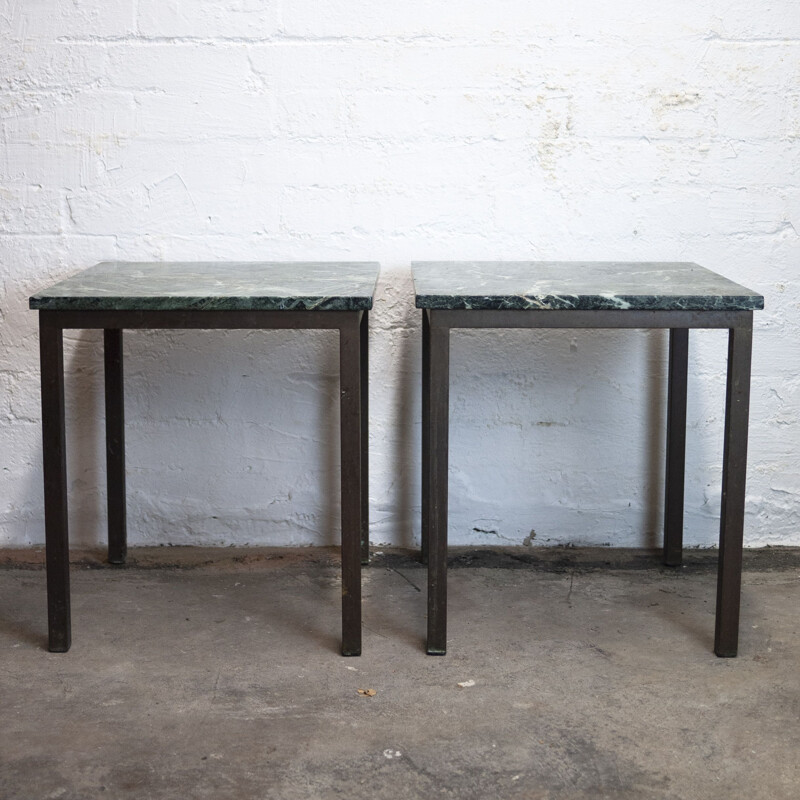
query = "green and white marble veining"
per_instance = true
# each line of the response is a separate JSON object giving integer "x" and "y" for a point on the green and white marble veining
{"x": 214, "y": 286}
{"x": 580, "y": 285}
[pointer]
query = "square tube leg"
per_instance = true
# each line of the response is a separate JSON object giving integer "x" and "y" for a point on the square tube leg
{"x": 426, "y": 439}
{"x": 436, "y": 340}
{"x": 364, "y": 344}
{"x": 115, "y": 446}
{"x": 51, "y": 347}
{"x": 353, "y": 481}
{"x": 734, "y": 469}
{"x": 676, "y": 446}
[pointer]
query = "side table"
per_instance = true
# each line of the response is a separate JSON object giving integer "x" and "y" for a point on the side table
{"x": 675, "y": 296}
{"x": 119, "y": 295}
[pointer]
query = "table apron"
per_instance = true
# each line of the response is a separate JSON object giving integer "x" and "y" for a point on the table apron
{"x": 571, "y": 318}
{"x": 205, "y": 320}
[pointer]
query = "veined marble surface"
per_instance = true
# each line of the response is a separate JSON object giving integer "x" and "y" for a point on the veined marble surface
{"x": 214, "y": 286}
{"x": 581, "y": 285}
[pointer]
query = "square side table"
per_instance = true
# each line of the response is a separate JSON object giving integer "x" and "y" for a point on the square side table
{"x": 119, "y": 295}
{"x": 675, "y": 296}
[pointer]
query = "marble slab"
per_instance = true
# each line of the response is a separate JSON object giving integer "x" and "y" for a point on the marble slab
{"x": 214, "y": 286}
{"x": 580, "y": 285}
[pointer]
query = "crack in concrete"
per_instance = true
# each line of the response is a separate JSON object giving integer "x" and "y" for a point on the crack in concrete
{"x": 569, "y": 592}
{"x": 405, "y": 578}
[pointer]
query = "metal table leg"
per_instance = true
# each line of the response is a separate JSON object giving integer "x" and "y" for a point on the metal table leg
{"x": 734, "y": 469}
{"x": 115, "y": 446}
{"x": 676, "y": 446}
{"x": 51, "y": 348}
{"x": 364, "y": 349}
{"x": 436, "y": 340}
{"x": 353, "y": 479}
{"x": 426, "y": 439}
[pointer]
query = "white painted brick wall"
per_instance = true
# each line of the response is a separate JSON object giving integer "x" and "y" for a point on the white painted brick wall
{"x": 292, "y": 129}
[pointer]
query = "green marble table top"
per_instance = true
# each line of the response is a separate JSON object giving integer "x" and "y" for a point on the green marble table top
{"x": 579, "y": 285}
{"x": 214, "y": 286}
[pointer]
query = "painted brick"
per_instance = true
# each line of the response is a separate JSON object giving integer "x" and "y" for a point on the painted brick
{"x": 87, "y": 19}
{"x": 258, "y": 129}
{"x": 251, "y": 19}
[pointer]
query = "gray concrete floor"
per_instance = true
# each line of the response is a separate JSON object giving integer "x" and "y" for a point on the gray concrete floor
{"x": 216, "y": 674}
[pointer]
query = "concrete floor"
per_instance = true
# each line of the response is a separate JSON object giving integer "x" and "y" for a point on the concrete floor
{"x": 216, "y": 674}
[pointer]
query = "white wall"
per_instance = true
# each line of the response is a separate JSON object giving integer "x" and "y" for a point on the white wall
{"x": 627, "y": 129}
